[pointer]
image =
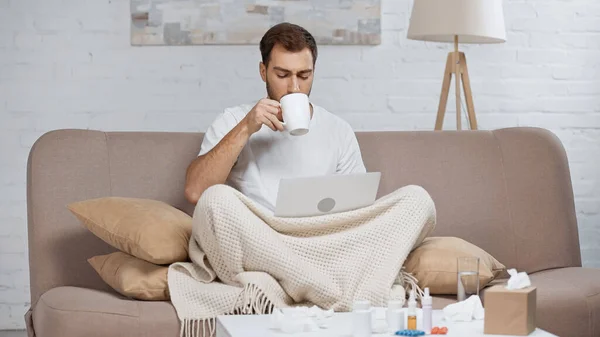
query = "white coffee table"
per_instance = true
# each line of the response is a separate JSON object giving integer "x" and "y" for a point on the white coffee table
{"x": 341, "y": 326}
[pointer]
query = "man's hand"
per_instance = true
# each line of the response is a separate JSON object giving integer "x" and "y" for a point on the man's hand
{"x": 264, "y": 112}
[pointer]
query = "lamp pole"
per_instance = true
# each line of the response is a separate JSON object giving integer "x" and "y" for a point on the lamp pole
{"x": 457, "y": 79}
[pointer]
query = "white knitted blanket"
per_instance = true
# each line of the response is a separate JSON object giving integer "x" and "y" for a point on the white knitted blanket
{"x": 246, "y": 261}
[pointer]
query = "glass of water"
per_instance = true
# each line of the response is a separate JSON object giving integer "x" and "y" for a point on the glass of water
{"x": 468, "y": 277}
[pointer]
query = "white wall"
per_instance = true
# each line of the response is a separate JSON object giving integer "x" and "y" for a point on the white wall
{"x": 68, "y": 64}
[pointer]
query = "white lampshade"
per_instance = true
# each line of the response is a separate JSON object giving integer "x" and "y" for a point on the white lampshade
{"x": 474, "y": 21}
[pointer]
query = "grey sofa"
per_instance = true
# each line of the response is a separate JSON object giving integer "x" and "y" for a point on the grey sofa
{"x": 507, "y": 191}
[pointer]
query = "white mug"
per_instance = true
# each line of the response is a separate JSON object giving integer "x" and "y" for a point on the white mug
{"x": 296, "y": 113}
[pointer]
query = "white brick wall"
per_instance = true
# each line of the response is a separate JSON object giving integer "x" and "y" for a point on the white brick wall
{"x": 68, "y": 63}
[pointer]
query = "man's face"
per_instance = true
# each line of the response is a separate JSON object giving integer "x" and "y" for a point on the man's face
{"x": 288, "y": 72}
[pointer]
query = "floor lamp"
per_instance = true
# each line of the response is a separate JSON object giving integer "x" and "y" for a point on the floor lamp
{"x": 457, "y": 21}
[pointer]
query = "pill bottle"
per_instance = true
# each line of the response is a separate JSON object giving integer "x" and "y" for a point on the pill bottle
{"x": 361, "y": 319}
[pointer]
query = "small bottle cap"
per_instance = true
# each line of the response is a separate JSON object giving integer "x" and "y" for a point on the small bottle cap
{"x": 411, "y": 299}
{"x": 362, "y": 305}
{"x": 412, "y": 302}
{"x": 426, "y": 300}
{"x": 395, "y": 304}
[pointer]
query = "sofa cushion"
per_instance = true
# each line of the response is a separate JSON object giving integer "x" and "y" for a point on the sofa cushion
{"x": 434, "y": 264}
{"x": 73, "y": 312}
{"x": 568, "y": 301}
{"x": 151, "y": 230}
{"x": 132, "y": 277}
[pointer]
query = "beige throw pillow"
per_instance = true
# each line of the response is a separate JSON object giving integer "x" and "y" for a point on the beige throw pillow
{"x": 434, "y": 264}
{"x": 132, "y": 277}
{"x": 151, "y": 230}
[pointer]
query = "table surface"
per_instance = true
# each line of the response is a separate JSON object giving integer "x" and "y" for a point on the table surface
{"x": 341, "y": 326}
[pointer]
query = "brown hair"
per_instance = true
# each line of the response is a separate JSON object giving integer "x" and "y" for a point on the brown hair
{"x": 292, "y": 37}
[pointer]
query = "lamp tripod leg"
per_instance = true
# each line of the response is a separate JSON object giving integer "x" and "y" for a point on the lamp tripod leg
{"x": 468, "y": 93}
{"x": 439, "y": 121}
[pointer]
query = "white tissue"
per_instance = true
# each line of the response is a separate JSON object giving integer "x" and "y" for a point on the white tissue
{"x": 517, "y": 280}
{"x": 464, "y": 311}
{"x": 300, "y": 319}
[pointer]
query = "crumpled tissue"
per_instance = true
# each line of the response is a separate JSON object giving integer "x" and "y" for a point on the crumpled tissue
{"x": 517, "y": 280}
{"x": 300, "y": 319}
{"x": 464, "y": 311}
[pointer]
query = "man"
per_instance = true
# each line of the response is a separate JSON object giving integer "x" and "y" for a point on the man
{"x": 246, "y": 261}
{"x": 247, "y": 148}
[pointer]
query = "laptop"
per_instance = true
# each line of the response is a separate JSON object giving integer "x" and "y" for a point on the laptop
{"x": 318, "y": 195}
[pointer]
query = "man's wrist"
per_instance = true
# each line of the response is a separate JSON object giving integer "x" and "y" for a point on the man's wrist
{"x": 243, "y": 131}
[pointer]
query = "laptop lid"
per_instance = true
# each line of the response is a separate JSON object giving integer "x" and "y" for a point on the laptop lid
{"x": 310, "y": 196}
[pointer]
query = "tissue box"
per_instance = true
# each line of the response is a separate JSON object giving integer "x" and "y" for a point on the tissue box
{"x": 510, "y": 312}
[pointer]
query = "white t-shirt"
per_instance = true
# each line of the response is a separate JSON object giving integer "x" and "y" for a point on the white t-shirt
{"x": 330, "y": 147}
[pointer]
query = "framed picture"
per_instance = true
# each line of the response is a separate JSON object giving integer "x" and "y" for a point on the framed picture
{"x": 201, "y": 22}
